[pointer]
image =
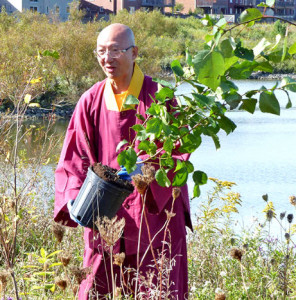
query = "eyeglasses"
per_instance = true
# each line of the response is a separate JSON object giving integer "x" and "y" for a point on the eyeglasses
{"x": 115, "y": 53}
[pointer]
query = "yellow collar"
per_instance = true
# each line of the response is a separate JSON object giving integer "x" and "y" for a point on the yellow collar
{"x": 133, "y": 89}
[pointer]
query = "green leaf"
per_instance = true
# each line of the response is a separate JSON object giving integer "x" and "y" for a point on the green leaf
{"x": 177, "y": 68}
{"x": 289, "y": 84}
{"x": 226, "y": 124}
{"x": 167, "y": 161}
{"x": 43, "y": 253}
{"x": 189, "y": 166}
{"x": 163, "y": 82}
{"x": 168, "y": 145}
{"x": 54, "y": 253}
{"x": 261, "y": 46}
{"x": 120, "y": 144}
{"x": 164, "y": 93}
{"x": 244, "y": 53}
{"x": 226, "y": 48}
{"x": 144, "y": 145}
{"x": 250, "y": 14}
{"x": 128, "y": 158}
{"x": 130, "y": 102}
{"x": 200, "y": 177}
{"x": 53, "y": 54}
{"x": 285, "y": 48}
{"x": 138, "y": 127}
{"x": 292, "y": 49}
{"x": 140, "y": 117}
{"x": 43, "y": 273}
{"x": 264, "y": 66}
{"x": 162, "y": 178}
{"x": 211, "y": 69}
{"x": 233, "y": 99}
{"x": 270, "y": 3}
{"x": 190, "y": 143}
{"x": 55, "y": 264}
{"x": 154, "y": 126}
{"x": 268, "y": 103}
{"x": 249, "y": 105}
{"x": 181, "y": 177}
{"x": 153, "y": 110}
{"x": 196, "y": 191}
{"x": 289, "y": 104}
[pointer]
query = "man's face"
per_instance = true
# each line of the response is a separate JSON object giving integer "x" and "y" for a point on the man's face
{"x": 119, "y": 68}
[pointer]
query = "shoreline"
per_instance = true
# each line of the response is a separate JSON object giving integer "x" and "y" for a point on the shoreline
{"x": 66, "y": 112}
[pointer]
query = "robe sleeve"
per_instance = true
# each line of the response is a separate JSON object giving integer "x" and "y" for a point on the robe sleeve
{"x": 76, "y": 156}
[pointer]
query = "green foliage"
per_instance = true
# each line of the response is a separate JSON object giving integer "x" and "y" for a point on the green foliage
{"x": 279, "y": 27}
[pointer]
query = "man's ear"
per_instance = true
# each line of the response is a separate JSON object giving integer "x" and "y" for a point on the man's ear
{"x": 135, "y": 52}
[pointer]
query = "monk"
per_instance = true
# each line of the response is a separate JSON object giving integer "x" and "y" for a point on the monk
{"x": 98, "y": 124}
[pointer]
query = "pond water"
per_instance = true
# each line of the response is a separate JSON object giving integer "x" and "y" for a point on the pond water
{"x": 259, "y": 156}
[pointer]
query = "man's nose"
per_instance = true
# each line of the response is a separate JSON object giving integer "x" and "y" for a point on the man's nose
{"x": 107, "y": 56}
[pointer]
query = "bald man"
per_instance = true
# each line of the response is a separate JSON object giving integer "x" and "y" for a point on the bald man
{"x": 98, "y": 124}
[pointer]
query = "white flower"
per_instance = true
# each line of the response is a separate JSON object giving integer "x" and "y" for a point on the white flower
{"x": 223, "y": 274}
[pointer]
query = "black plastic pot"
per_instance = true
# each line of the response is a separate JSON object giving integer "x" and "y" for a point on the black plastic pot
{"x": 97, "y": 198}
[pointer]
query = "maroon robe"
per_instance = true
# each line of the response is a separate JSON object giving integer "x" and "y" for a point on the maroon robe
{"x": 92, "y": 136}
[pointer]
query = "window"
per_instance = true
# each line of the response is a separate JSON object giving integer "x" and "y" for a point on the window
{"x": 47, "y": 10}
{"x": 33, "y": 8}
{"x": 68, "y": 9}
{"x": 57, "y": 9}
{"x": 230, "y": 1}
{"x": 230, "y": 10}
{"x": 131, "y": 9}
{"x": 33, "y": 1}
{"x": 101, "y": 9}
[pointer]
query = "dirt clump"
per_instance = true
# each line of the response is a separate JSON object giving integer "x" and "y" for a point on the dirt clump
{"x": 109, "y": 175}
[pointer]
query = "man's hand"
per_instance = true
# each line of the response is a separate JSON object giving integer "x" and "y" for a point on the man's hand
{"x": 69, "y": 206}
{"x": 123, "y": 174}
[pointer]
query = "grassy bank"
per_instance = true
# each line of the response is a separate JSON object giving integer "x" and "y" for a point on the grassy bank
{"x": 160, "y": 39}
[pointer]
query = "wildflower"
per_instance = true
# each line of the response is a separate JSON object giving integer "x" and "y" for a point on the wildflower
{"x": 223, "y": 274}
{"x": 293, "y": 200}
{"x": 282, "y": 215}
{"x": 272, "y": 261}
{"x": 290, "y": 218}
{"x": 236, "y": 253}
{"x": 140, "y": 183}
{"x": 110, "y": 230}
{"x": 287, "y": 236}
{"x": 61, "y": 283}
{"x": 58, "y": 231}
{"x": 269, "y": 215}
{"x": 176, "y": 192}
{"x": 219, "y": 294}
{"x": 119, "y": 258}
{"x": 246, "y": 246}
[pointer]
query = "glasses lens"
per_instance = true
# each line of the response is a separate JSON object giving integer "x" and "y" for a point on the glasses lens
{"x": 111, "y": 53}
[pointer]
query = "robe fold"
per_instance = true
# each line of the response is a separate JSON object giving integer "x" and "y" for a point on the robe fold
{"x": 92, "y": 136}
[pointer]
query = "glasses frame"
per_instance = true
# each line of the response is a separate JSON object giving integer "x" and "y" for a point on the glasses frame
{"x": 120, "y": 51}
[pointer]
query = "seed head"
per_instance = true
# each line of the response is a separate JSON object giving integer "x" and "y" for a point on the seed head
{"x": 282, "y": 215}
{"x": 80, "y": 274}
{"x": 219, "y": 294}
{"x": 61, "y": 283}
{"x": 287, "y": 236}
{"x": 293, "y": 200}
{"x": 65, "y": 258}
{"x": 4, "y": 277}
{"x": 176, "y": 192}
{"x": 236, "y": 253}
{"x": 119, "y": 258}
{"x": 110, "y": 230}
{"x": 246, "y": 246}
{"x": 232, "y": 241}
{"x": 58, "y": 231}
{"x": 269, "y": 215}
{"x": 290, "y": 218}
{"x": 140, "y": 183}
{"x": 148, "y": 172}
